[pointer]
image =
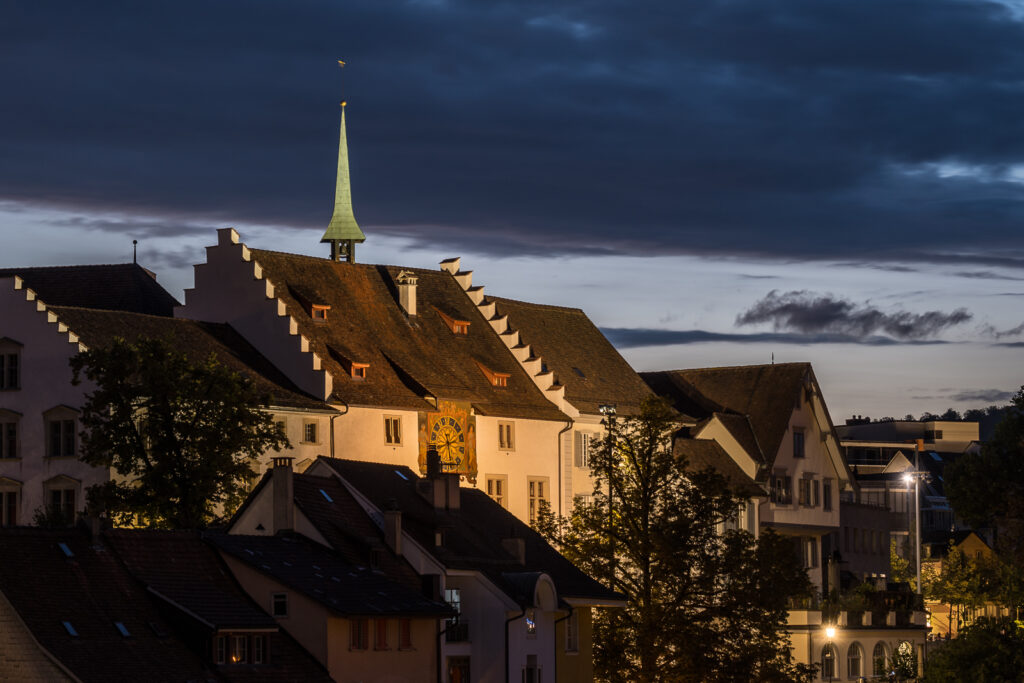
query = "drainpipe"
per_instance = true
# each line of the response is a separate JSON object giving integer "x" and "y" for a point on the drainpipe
{"x": 557, "y": 622}
{"x": 333, "y": 418}
{"x": 507, "y": 622}
{"x": 568, "y": 426}
{"x": 440, "y": 634}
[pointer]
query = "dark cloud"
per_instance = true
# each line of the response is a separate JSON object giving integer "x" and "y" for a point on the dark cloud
{"x": 986, "y": 275}
{"x": 741, "y": 127}
{"x": 810, "y": 313}
{"x": 982, "y": 396}
{"x": 1000, "y": 334}
{"x": 631, "y": 337}
{"x": 139, "y": 228}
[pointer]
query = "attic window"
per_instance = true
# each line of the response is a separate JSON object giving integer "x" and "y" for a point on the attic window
{"x": 65, "y": 549}
{"x": 310, "y": 300}
{"x": 456, "y": 326}
{"x": 70, "y": 629}
{"x": 358, "y": 370}
{"x": 496, "y": 379}
{"x": 319, "y": 312}
{"x": 326, "y": 497}
{"x": 579, "y": 372}
{"x": 121, "y": 629}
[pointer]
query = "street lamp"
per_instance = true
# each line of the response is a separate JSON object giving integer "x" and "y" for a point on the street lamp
{"x": 830, "y": 633}
{"x": 915, "y": 477}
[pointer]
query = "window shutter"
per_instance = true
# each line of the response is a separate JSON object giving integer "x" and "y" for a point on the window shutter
{"x": 578, "y": 449}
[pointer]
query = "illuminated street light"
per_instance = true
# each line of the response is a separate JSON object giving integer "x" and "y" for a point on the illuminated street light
{"x": 830, "y": 658}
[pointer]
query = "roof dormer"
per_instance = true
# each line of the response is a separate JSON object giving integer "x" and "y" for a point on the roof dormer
{"x": 454, "y": 324}
{"x": 312, "y": 302}
{"x": 496, "y": 379}
{"x": 356, "y": 369}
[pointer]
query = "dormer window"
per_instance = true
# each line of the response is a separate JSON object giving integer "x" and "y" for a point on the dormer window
{"x": 312, "y": 302}
{"x": 496, "y": 379}
{"x": 319, "y": 312}
{"x": 358, "y": 370}
{"x": 355, "y": 369}
{"x": 454, "y": 324}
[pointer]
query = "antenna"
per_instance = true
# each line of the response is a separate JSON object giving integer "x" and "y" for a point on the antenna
{"x": 773, "y": 358}
{"x": 135, "y": 251}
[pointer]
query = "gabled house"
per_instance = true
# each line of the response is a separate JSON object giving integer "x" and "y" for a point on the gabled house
{"x": 521, "y": 608}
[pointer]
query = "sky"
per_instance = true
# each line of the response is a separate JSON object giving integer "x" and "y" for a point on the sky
{"x": 718, "y": 182}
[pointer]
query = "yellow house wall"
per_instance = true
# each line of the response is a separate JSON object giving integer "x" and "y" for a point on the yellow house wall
{"x": 576, "y": 667}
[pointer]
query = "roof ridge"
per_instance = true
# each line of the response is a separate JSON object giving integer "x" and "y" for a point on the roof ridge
{"x": 574, "y": 309}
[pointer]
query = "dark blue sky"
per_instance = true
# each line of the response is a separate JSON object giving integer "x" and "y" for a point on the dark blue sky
{"x": 869, "y": 135}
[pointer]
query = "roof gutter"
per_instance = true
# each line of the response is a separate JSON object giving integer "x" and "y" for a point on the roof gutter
{"x": 507, "y": 622}
{"x": 333, "y": 418}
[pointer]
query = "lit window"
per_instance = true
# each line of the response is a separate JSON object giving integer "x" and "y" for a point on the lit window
{"x": 582, "y": 449}
{"x": 392, "y": 430}
{"x": 496, "y": 489}
{"x": 405, "y": 634}
{"x": 309, "y": 434}
{"x": 10, "y": 364}
{"x": 536, "y": 489}
{"x": 798, "y": 443}
{"x": 506, "y": 436}
{"x": 239, "y": 649}
{"x": 531, "y": 623}
{"x": 359, "y": 634}
{"x": 380, "y": 639}
{"x": 279, "y": 604}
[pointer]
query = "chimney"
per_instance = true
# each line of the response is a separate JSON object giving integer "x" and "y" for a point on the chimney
{"x": 406, "y": 280}
{"x": 284, "y": 504}
{"x": 452, "y": 496}
{"x": 439, "y": 488}
{"x": 516, "y": 547}
{"x": 393, "y": 527}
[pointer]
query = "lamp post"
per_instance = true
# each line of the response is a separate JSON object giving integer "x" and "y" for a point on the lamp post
{"x": 830, "y": 633}
{"x": 915, "y": 477}
{"x": 608, "y": 411}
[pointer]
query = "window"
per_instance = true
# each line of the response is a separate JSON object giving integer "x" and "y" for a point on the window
{"x": 453, "y": 596}
{"x": 222, "y": 649}
{"x": 8, "y": 434}
{"x": 60, "y": 500}
{"x": 782, "y": 489}
{"x": 405, "y": 634}
{"x": 828, "y": 662}
{"x": 8, "y": 503}
{"x": 815, "y": 493}
{"x": 319, "y": 312}
{"x": 60, "y": 437}
{"x": 359, "y": 634}
{"x": 853, "y": 660}
{"x": 279, "y": 604}
{"x": 572, "y": 632}
{"x": 358, "y": 370}
{"x": 826, "y": 495}
{"x": 809, "y": 545}
{"x": 309, "y": 434}
{"x": 531, "y": 623}
{"x": 506, "y": 436}
{"x": 10, "y": 364}
{"x": 458, "y": 670}
{"x": 393, "y": 430}
{"x": 805, "y": 492}
{"x": 380, "y": 637}
{"x": 496, "y": 487}
{"x": 531, "y": 672}
{"x": 536, "y": 492}
{"x": 239, "y": 649}
{"x": 259, "y": 649}
{"x": 582, "y": 449}
{"x": 878, "y": 659}
{"x": 455, "y": 325}
{"x": 798, "y": 442}
{"x": 497, "y": 379}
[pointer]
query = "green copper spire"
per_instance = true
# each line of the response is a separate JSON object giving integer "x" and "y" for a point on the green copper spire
{"x": 343, "y": 232}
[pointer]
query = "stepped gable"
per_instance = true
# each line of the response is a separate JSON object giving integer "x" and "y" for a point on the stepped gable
{"x": 472, "y": 536}
{"x": 764, "y": 393}
{"x": 90, "y": 590}
{"x": 328, "y": 579}
{"x": 346, "y": 526}
{"x": 197, "y": 339}
{"x": 705, "y": 453}
{"x": 581, "y": 358}
{"x": 409, "y": 357}
{"x": 118, "y": 287}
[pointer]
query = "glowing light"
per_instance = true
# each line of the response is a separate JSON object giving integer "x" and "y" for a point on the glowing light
{"x": 830, "y": 631}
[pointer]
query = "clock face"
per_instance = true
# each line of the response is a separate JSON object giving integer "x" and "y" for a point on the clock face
{"x": 450, "y": 440}
{"x": 451, "y": 428}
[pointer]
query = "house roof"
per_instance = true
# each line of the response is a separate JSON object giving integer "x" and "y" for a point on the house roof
{"x": 764, "y": 393}
{"x": 409, "y": 357}
{"x": 582, "y": 359}
{"x": 327, "y": 578}
{"x": 91, "y": 591}
{"x": 117, "y": 287}
{"x": 197, "y": 339}
{"x": 472, "y": 536}
{"x": 706, "y": 453}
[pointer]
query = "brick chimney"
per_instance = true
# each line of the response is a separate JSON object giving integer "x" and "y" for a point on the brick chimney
{"x": 284, "y": 499}
{"x": 440, "y": 489}
{"x": 393, "y": 527}
{"x": 406, "y": 281}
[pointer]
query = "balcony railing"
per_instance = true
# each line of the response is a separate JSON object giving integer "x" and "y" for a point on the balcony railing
{"x": 456, "y": 632}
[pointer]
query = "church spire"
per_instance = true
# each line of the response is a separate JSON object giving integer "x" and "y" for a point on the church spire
{"x": 343, "y": 232}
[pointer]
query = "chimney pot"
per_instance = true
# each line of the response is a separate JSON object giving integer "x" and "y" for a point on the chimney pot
{"x": 406, "y": 280}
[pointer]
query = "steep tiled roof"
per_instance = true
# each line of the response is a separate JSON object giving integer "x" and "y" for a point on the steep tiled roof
{"x": 90, "y": 591}
{"x": 582, "y": 359}
{"x": 742, "y": 430}
{"x": 408, "y": 356}
{"x": 325, "y": 577}
{"x": 472, "y": 536}
{"x": 198, "y": 339}
{"x": 119, "y": 287}
{"x": 765, "y": 393}
{"x": 705, "y": 453}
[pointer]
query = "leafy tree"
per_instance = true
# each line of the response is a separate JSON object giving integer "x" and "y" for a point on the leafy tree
{"x": 951, "y": 415}
{"x": 988, "y": 650}
{"x": 703, "y": 604}
{"x": 900, "y": 568}
{"x": 958, "y": 584}
{"x": 181, "y": 435}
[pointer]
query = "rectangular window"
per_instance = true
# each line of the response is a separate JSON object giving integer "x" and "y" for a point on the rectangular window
{"x": 359, "y": 634}
{"x": 8, "y": 508}
{"x": 279, "y": 604}
{"x": 496, "y": 489}
{"x": 798, "y": 443}
{"x": 62, "y": 503}
{"x": 782, "y": 489}
{"x": 405, "y": 634}
{"x": 572, "y": 632}
{"x": 453, "y": 596}
{"x": 10, "y": 372}
{"x": 309, "y": 432}
{"x": 9, "y": 439}
{"x": 826, "y": 495}
{"x": 536, "y": 492}
{"x": 222, "y": 649}
{"x": 815, "y": 493}
{"x": 805, "y": 492}
{"x": 582, "y": 449}
{"x": 506, "y": 436}
{"x": 259, "y": 649}
{"x": 392, "y": 430}
{"x": 239, "y": 649}
{"x": 810, "y": 552}
{"x": 61, "y": 438}
{"x": 531, "y": 623}
{"x": 380, "y": 637}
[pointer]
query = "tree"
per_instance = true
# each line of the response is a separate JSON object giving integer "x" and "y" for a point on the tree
{"x": 182, "y": 435}
{"x": 703, "y": 604}
{"x": 988, "y": 650}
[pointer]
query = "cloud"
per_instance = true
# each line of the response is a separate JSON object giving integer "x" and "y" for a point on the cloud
{"x": 630, "y": 337}
{"x": 810, "y": 313}
{"x": 986, "y": 275}
{"x": 991, "y": 331}
{"x": 982, "y": 395}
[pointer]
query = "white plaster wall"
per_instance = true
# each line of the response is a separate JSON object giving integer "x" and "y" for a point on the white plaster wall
{"x": 45, "y": 383}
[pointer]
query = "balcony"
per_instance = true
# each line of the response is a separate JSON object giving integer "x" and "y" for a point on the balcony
{"x": 456, "y": 632}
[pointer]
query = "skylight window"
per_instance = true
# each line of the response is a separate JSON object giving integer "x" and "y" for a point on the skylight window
{"x": 404, "y": 478}
{"x": 121, "y": 628}
{"x": 579, "y": 372}
{"x": 69, "y": 628}
{"x": 326, "y": 497}
{"x": 66, "y": 550}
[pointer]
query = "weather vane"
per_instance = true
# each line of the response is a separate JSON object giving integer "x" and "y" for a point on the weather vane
{"x": 341, "y": 65}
